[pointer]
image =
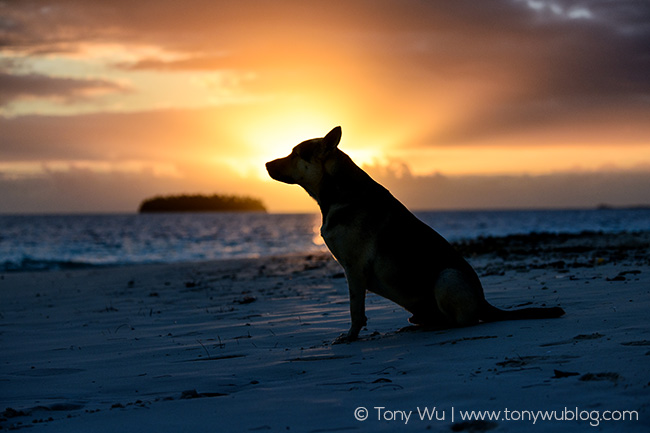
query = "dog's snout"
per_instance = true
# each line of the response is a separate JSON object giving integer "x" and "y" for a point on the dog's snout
{"x": 277, "y": 170}
{"x": 271, "y": 166}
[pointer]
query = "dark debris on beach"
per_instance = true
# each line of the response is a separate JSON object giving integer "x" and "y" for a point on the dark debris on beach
{"x": 585, "y": 249}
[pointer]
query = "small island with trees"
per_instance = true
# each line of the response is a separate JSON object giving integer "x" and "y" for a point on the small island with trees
{"x": 201, "y": 203}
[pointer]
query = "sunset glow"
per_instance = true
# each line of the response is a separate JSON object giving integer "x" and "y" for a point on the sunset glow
{"x": 154, "y": 98}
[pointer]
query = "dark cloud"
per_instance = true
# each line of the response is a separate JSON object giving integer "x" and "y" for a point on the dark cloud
{"x": 559, "y": 190}
{"x": 85, "y": 190}
{"x": 77, "y": 190}
{"x": 554, "y": 72}
{"x": 45, "y": 26}
{"x": 13, "y": 87}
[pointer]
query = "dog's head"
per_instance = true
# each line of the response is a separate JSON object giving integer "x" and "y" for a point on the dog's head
{"x": 305, "y": 165}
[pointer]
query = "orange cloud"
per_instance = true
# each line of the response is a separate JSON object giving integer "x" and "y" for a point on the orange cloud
{"x": 461, "y": 88}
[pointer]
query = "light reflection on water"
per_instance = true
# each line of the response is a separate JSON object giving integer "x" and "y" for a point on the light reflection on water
{"x": 317, "y": 239}
{"x": 50, "y": 241}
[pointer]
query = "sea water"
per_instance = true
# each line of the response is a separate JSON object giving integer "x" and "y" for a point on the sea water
{"x": 35, "y": 242}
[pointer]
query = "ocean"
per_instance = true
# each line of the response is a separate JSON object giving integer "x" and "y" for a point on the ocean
{"x": 43, "y": 242}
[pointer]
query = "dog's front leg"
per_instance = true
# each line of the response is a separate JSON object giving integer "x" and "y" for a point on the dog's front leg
{"x": 357, "y": 311}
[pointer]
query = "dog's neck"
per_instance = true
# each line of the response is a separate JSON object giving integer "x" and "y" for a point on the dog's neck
{"x": 344, "y": 183}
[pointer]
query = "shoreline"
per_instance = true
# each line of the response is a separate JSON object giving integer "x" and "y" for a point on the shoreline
{"x": 481, "y": 245}
{"x": 245, "y": 344}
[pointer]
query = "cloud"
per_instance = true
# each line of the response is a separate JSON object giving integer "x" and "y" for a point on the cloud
{"x": 108, "y": 186}
{"x": 192, "y": 63}
{"x": 555, "y": 190}
{"x": 537, "y": 71}
{"x": 158, "y": 135}
{"x": 83, "y": 189}
{"x": 71, "y": 187}
{"x": 29, "y": 86}
{"x": 76, "y": 190}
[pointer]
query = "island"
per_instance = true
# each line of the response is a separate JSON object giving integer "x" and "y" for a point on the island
{"x": 201, "y": 203}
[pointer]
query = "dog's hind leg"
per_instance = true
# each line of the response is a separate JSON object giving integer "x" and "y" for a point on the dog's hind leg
{"x": 457, "y": 299}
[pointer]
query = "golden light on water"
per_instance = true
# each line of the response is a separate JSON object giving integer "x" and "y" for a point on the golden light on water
{"x": 317, "y": 239}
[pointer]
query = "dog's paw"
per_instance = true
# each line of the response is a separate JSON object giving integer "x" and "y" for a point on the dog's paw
{"x": 346, "y": 337}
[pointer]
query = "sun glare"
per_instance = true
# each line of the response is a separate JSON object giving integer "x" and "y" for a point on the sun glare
{"x": 275, "y": 136}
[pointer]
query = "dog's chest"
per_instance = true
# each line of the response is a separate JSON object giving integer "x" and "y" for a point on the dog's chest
{"x": 346, "y": 236}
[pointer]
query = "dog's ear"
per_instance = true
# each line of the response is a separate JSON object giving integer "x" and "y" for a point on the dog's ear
{"x": 332, "y": 139}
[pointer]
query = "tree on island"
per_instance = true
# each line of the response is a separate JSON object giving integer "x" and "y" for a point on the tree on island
{"x": 201, "y": 203}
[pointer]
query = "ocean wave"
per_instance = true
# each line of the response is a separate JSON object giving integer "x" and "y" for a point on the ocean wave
{"x": 48, "y": 242}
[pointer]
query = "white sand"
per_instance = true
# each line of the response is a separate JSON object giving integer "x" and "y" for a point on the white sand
{"x": 182, "y": 348}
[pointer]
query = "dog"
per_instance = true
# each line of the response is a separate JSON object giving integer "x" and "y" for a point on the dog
{"x": 386, "y": 249}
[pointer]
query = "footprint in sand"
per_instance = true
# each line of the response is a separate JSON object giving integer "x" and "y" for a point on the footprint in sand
{"x": 576, "y": 339}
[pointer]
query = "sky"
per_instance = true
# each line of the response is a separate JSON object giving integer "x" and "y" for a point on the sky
{"x": 450, "y": 104}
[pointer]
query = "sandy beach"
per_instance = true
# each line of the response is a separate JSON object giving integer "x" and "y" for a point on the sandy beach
{"x": 245, "y": 345}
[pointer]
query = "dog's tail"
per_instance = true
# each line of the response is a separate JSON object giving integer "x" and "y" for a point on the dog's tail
{"x": 490, "y": 313}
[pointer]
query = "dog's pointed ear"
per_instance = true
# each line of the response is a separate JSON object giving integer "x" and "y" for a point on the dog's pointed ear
{"x": 332, "y": 139}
